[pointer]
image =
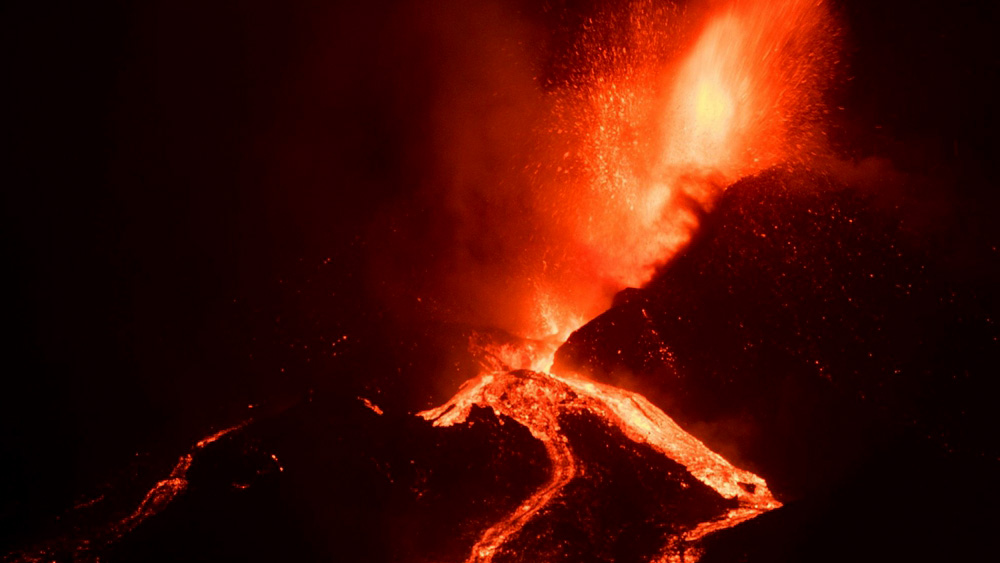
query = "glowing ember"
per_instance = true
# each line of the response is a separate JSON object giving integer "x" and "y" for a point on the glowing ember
{"x": 370, "y": 405}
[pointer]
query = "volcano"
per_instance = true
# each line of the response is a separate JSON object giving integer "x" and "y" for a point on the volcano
{"x": 521, "y": 465}
{"x": 612, "y": 281}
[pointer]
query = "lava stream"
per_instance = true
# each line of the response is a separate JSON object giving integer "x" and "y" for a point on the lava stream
{"x": 563, "y": 471}
{"x": 166, "y": 490}
{"x": 86, "y": 544}
{"x": 536, "y": 400}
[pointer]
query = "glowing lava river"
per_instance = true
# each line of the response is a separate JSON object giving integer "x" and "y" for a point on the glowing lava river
{"x": 537, "y": 400}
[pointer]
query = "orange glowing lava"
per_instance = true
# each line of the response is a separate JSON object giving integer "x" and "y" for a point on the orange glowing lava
{"x": 644, "y": 146}
{"x": 536, "y": 400}
{"x": 166, "y": 490}
{"x": 653, "y": 140}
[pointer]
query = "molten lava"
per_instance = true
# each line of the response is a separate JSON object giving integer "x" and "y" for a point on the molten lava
{"x": 86, "y": 543}
{"x": 652, "y": 140}
{"x": 536, "y": 400}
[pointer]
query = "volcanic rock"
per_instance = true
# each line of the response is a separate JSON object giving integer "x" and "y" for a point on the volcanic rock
{"x": 828, "y": 341}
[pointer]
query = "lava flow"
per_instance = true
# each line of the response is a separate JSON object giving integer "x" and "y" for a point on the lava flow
{"x": 85, "y": 543}
{"x": 536, "y": 400}
{"x": 657, "y": 141}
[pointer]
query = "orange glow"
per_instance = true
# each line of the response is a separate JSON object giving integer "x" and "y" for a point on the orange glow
{"x": 713, "y": 110}
{"x": 166, "y": 490}
{"x": 536, "y": 400}
{"x": 638, "y": 151}
{"x": 371, "y": 406}
{"x": 748, "y": 94}
{"x": 632, "y": 153}
{"x": 629, "y": 156}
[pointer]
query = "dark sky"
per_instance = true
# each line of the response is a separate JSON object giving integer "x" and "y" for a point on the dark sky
{"x": 170, "y": 162}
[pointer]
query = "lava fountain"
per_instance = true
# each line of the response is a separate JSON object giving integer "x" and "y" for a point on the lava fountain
{"x": 657, "y": 130}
